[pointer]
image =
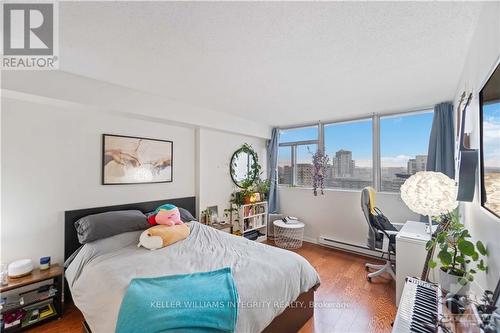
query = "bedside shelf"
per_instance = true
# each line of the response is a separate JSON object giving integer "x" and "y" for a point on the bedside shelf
{"x": 254, "y": 219}
{"x": 36, "y": 298}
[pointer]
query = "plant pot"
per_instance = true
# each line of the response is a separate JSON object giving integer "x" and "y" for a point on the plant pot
{"x": 247, "y": 199}
{"x": 449, "y": 282}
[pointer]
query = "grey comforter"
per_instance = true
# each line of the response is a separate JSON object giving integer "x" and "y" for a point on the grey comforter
{"x": 267, "y": 278}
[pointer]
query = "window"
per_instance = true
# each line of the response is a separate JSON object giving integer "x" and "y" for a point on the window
{"x": 304, "y": 167}
{"x": 402, "y": 151}
{"x": 299, "y": 134}
{"x": 285, "y": 165}
{"x": 296, "y": 147}
{"x": 404, "y": 140}
{"x": 349, "y": 146}
{"x": 490, "y": 144}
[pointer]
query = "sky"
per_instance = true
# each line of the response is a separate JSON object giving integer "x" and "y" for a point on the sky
{"x": 491, "y": 134}
{"x": 401, "y": 138}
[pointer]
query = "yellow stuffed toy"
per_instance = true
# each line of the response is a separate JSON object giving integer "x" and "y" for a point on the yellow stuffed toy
{"x": 162, "y": 235}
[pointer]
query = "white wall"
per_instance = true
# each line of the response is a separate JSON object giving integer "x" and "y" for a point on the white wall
{"x": 51, "y": 162}
{"x": 483, "y": 54}
{"x": 216, "y": 149}
{"x": 337, "y": 214}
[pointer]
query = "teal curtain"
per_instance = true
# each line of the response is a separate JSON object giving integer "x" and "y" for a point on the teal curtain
{"x": 441, "y": 153}
{"x": 272, "y": 162}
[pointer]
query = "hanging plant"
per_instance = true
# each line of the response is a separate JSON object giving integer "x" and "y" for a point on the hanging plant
{"x": 320, "y": 163}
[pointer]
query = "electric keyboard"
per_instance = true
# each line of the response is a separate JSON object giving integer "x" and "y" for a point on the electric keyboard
{"x": 419, "y": 309}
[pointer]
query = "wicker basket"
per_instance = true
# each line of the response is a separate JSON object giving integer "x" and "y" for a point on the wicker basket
{"x": 288, "y": 236}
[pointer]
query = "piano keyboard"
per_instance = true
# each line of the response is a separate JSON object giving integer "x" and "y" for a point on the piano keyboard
{"x": 419, "y": 307}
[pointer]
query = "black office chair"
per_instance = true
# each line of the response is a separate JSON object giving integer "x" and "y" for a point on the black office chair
{"x": 381, "y": 234}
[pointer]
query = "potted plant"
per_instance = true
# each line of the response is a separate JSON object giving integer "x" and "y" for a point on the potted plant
{"x": 458, "y": 256}
{"x": 262, "y": 187}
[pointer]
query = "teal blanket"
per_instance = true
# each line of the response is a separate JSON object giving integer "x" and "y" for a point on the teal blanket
{"x": 199, "y": 302}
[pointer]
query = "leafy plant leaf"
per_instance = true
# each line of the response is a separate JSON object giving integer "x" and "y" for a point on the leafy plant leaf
{"x": 465, "y": 234}
{"x": 445, "y": 258}
{"x": 462, "y": 281}
{"x": 475, "y": 256}
{"x": 432, "y": 263}
{"x": 466, "y": 247}
{"x": 481, "y": 266}
{"x": 481, "y": 248}
{"x": 441, "y": 237}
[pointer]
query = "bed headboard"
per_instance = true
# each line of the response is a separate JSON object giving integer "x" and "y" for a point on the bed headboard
{"x": 71, "y": 243}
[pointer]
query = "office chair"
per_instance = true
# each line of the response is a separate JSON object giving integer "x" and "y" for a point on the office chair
{"x": 381, "y": 234}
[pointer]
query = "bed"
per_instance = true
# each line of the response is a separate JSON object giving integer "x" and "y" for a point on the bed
{"x": 268, "y": 279}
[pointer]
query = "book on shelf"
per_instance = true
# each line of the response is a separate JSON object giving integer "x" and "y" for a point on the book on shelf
{"x": 37, "y": 312}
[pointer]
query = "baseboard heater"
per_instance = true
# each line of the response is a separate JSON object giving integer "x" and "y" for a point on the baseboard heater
{"x": 330, "y": 242}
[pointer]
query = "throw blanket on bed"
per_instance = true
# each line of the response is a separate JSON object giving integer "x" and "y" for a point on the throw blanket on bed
{"x": 198, "y": 302}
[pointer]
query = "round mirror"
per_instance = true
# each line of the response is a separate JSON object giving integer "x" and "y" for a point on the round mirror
{"x": 244, "y": 167}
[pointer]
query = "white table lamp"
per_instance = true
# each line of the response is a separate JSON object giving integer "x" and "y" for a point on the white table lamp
{"x": 430, "y": 193}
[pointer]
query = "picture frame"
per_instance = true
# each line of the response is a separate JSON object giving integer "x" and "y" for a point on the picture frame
{"x": 213, "y": 214}
{"x": 130, "y": 160}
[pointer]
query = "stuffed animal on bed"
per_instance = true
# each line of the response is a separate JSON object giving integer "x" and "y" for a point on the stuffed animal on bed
{"x": 161, "y": 235}
{"x": 166, "y": 214}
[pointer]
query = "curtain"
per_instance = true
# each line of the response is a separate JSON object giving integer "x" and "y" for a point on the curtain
{"x": 441, "y": 153}
{"x": 272, "y": 160}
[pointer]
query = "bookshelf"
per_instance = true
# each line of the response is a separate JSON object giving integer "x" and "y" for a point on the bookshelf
{"x": 253, "y": 220}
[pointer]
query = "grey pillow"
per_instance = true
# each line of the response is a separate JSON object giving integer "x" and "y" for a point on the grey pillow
{"x": 103, "y": 225}
{"x": 186, "y": 215}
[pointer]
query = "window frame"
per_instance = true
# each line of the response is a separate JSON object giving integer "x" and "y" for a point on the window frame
{"x": 320, "y": 142}
{"x": 293, "y": 154}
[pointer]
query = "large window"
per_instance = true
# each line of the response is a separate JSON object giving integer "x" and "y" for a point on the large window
{"x": 355, "y": 162}
{"x": 349, "y": 146}
{"x": 404, "y": 140}
{"x": 296, "y": 148}
{"x": 490, "y": 148}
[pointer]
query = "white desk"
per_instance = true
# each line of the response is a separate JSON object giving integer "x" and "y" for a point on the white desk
{"x": 410, "y": 253}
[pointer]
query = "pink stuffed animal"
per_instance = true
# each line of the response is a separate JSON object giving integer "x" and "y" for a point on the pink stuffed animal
{"x": 168, "y": 215}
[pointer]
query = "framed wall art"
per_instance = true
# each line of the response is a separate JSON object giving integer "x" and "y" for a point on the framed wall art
{"x": 135, "y": 160}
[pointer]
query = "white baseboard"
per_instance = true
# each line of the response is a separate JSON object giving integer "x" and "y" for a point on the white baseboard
{"x": 331, "y": 242}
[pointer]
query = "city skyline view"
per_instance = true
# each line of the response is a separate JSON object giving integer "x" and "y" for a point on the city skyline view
{"x": 491, "y": 155}
{"x": 491, "y": 135}
{"x": 396, "y": 146}
{"x": 403, "y": 145}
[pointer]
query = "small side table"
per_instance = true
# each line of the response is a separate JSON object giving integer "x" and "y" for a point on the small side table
{"x": 222, "y": 226}
{"x": 32, "y": 298}
{"x": 288, "y": 235}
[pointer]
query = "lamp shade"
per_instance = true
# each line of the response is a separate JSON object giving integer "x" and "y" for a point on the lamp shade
{"x": 430, "y": 193}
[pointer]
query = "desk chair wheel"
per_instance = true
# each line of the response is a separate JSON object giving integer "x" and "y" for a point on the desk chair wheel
{"x": 369, "y": 278}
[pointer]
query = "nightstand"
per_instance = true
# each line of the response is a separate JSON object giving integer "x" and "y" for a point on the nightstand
{"x": 39, "y": 294}
{"x": 223, "y": 226}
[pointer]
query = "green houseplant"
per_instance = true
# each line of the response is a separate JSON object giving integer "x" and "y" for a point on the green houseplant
{"x": 458, "y": 256}
{"x": 262, "y": 186}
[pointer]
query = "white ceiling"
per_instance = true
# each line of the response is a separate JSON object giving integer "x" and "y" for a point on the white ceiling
{"x": 276, "y": 63}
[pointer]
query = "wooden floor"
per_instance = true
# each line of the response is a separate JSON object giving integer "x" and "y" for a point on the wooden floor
{"x": 345, "y": 301}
